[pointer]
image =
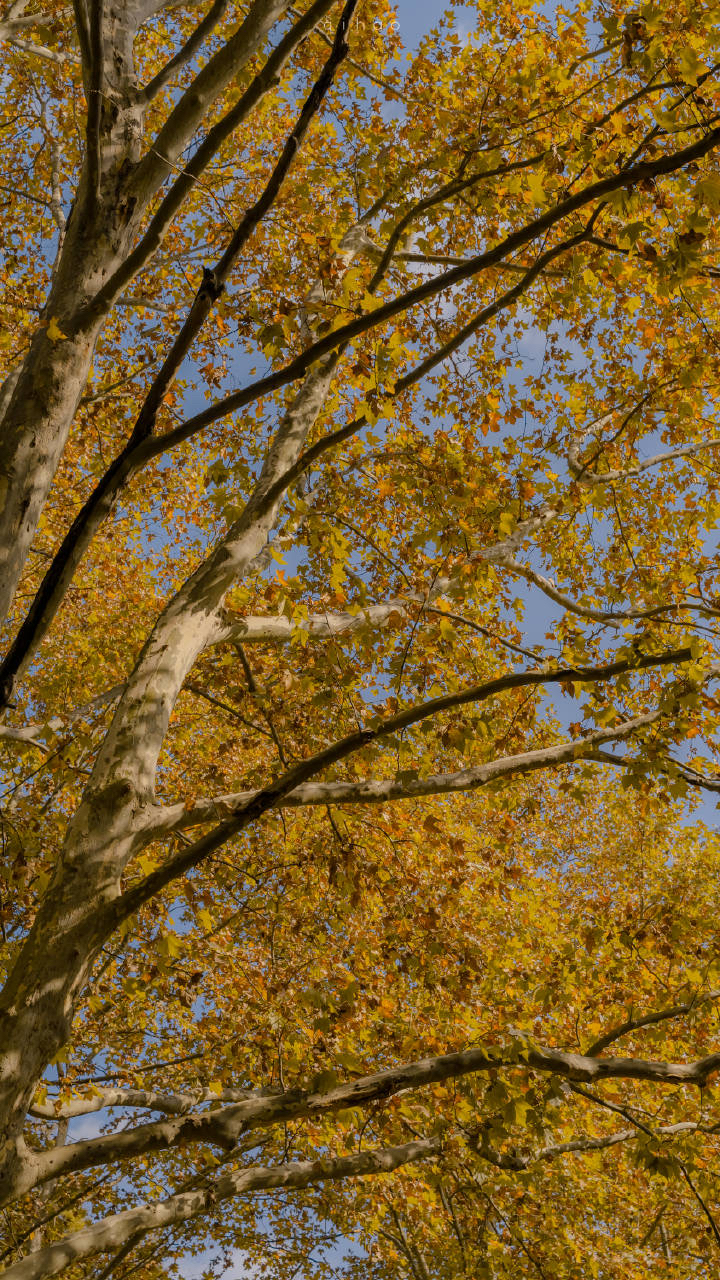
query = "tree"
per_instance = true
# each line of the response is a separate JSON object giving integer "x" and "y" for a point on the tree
{"x": 332, "y": 381}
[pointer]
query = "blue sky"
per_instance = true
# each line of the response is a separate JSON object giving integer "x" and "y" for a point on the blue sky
{"x": 417, "y": 18}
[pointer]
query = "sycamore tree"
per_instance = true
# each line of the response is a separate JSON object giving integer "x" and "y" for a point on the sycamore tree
{"x": 358, "y": 494}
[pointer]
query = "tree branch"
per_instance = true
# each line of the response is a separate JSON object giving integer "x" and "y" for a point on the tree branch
{"x": 42, "y": 51}
{"x": 135, "y": 456}
{"x": 173, "y": 200}
{"x": 189, "y": 112}
{"x": 165, "y": 819}
{"x": 648, "y": 1020}
{"x": 644, "y": 171}
{"x": 188, "y": 51}
{"x": 86, "y": 523}
{"x": 31, "y": 733}
{"x": 225, "y": 1126}
{"x": 113, "y": 1232}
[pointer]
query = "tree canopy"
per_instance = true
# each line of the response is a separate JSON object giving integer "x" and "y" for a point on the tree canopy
{"x": 359, "y": 488}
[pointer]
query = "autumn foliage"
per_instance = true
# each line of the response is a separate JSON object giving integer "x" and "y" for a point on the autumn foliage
{"x": 359, "y": 488}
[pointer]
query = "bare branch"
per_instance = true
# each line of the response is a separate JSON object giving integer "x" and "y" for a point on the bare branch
{"x": 581, "y": 1146}
{"x": 113, "y": 1232}
{"x": 702, "y": 1202}
{"x": 188, "y": 51}
{"x": 172, "y": 1104}
{"x": 174, "y": 199}
{"x": 649, "y": 1020}
{"x": 189, "y": 112}
{"x": 32, "y": 733}
{"x": 610, "y": 617}
{"x": 382, "y": 790}
{"x": 57, "y": 56}
{"x": 594, "y": 192}
{"x": 223, "y": 1127}
{"x": 593, "y": 478}
{"x": 84, "y": 526}
{"x": 474, "y": 694}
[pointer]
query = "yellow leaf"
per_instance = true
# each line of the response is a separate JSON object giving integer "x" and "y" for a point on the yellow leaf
{"x": 54, "y": 332}
{"x": 536, "y": 187}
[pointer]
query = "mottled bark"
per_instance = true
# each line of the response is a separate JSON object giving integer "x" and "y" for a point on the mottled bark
{"x": 45, "y": 395}
{"x": 115, "y": 187}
